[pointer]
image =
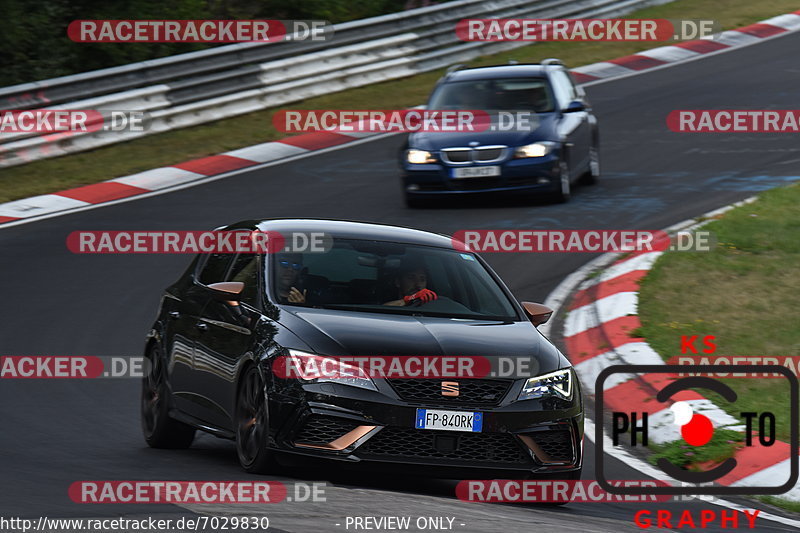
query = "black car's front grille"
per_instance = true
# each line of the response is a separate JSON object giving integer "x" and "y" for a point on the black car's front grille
{"x": 395, "y": 442}
{"x": 477, "y": 392}
{"x": 323, "y": 429}
{"x": 557, "y": 444}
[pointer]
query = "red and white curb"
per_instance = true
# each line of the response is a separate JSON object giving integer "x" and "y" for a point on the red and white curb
{"x": 199, "y": 170}
{"x": 602, "y": 314}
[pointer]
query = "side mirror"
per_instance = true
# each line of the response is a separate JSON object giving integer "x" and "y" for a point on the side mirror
{"x": 574, "y": 106}
{"x": 227, "y": 291}
{"x": 538, "y": 314}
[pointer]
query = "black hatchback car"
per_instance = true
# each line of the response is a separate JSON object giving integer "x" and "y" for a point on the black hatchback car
{"x": 553, "y": 142}
{"x": 374, "y": 290}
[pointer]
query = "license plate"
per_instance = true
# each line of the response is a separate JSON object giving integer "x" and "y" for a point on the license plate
{"x": 476, "y": 172}
{"x": 449, "y": 420}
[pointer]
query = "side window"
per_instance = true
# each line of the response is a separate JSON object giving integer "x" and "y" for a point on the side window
{"x": 245, "y": 269}
{"x": 214, "y": 268}
{"x": 565, "y": 92}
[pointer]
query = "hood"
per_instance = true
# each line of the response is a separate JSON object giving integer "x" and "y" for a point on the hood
{"x": 330, "y": 332}
{"x": 431, "y": 141}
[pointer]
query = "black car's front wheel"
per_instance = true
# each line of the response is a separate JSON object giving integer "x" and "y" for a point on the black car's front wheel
{"x": 252, "y": 429}
{"x": 160, "y": 430}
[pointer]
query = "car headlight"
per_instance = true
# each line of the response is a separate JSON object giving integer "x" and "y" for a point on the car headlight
{"x": 556, "y": 384}
{"x": 539, "y": 149}
{"x": 419, "y": 157}
{"x": 313, "y": 368}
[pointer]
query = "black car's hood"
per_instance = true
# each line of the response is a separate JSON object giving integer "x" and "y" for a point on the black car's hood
{"x": 340, "y": 333}
{"x": 431, "y": 141}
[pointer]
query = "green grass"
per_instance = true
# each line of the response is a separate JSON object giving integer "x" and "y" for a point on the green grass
{"x": 789, "y": 505}
{"x": 721, "y": 446}
{"x": 744, "y": 293}
{"x": 177, "y": 146}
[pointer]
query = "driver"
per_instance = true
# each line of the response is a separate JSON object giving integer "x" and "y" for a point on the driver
{"x": 288, "y": 274}
{"x": 411, "y": 283}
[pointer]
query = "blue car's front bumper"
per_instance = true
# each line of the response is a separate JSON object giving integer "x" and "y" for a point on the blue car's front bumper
{"x": 528, "y": 175}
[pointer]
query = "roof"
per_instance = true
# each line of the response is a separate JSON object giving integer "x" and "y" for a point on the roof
{"x": 349, "y": 230}
{"x": 500, "y": 71}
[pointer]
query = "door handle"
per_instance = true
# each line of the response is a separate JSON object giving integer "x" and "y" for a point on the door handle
{"x": 202, "y": 326}
{"x": 174, "y": 314}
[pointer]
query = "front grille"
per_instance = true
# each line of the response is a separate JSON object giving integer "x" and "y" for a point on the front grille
{"x": 477, "y": 392}
{"x": 479, "y": 154}
{"x": 323, "y": 429}
{"x": 555, "y": 443}
{"x": 395, "y": 442}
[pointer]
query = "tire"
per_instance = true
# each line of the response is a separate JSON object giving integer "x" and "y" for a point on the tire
{"x": 252, "y": 427}
{"x": 159, "y": 429}
{"x": 591, "y": 176}
{"x": 564, "y": 193}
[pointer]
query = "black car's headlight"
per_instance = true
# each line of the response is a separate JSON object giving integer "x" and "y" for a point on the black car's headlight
{"x": 537, "y": 149}
{"x": 314, "y": 368}
{"x": 419, "y": 157}
{"x": 556, "y": 384}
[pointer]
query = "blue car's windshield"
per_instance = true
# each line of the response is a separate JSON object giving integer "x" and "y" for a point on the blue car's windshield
{"x": 511, "y": 94}
{"x": 375, "y": 276}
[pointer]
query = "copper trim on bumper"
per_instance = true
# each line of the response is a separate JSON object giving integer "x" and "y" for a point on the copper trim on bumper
{"x": 540, "y": 454}
{"x": 343, "y": 442}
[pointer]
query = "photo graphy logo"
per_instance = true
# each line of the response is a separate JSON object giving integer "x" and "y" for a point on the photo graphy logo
{"x": 632, "y": 427}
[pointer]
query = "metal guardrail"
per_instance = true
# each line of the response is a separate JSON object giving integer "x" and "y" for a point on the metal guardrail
{"x": 190, "y": 89}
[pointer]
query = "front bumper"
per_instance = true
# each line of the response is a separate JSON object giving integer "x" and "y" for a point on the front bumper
{"x": 355, "y": 426}
{"x": 517, "y": 175}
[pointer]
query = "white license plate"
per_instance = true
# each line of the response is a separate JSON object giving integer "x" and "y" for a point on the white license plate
{"x": 449, "y": 420}
{"x": 476, "y": 172}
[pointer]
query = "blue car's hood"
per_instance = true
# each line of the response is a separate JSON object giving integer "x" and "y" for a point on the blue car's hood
{"x": 545, "y": 130}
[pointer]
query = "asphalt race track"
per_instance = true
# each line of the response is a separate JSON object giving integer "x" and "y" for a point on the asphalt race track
{"x": 55, "y": 432}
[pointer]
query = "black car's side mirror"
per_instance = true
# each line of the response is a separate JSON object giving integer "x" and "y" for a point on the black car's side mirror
{"x": 574, "y": 106}
{"x": 538, "y": 314}
{"x": 227, "y": 291}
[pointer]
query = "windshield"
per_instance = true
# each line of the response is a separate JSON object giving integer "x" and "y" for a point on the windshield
{"x": 373, "y": 276}
{"x": 512, "y": 94}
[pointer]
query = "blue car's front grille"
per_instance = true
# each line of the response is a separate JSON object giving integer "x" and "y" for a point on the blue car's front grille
{"x": 478, "y": 154}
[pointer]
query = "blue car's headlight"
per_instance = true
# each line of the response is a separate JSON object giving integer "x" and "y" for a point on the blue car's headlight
{"x": 556, "y": 384}
{"x": 538, "y": 149}
{"x": 419, "y": 157}
{"x": 313, "y": 368}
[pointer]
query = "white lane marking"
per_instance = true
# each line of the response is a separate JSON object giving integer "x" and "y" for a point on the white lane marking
{"x": 38, "y": 205}
{"x": 701, "y": 56}
{"x": 265, "y": 152}
{"x": 600, "y": 311}
{"x": 639, "y": 353}
{"x": 604, "y": 69}
{"x": 790, "y": 21}
{"x": 669, "y": 54}
{"x": 179, "y": 187}
{"x": 771, "y": 476}
{"x": 159, "y": 178}
{"x": 639, "y": 262}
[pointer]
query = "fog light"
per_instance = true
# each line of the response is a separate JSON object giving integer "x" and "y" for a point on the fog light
{"x": 542, "y": 180}
{"x": 413, "y": 187}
